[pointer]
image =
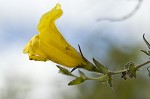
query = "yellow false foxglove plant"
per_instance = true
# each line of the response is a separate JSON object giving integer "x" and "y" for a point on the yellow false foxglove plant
{"x": 50, "y": 45}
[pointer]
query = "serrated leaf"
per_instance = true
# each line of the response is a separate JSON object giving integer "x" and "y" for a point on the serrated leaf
{"x": 82, "y": 74}
{"x": 77, "y": 81}
{"x": 147, "y": 43}
{"x": 64, "y": 71}
{"x": 102, "y": 68}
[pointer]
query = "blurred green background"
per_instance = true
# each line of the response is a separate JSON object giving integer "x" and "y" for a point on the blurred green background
{"x": 96, "y": 25}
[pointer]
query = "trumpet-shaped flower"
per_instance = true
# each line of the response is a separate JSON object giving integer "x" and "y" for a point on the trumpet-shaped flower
{"x": 49, "y": 44}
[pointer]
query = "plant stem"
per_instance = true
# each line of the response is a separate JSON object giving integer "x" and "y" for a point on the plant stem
{"x": 101, "y": 78}
{"x": 124, "y": 70}
{"x": 141, "y": 65}
{"x": 118, "y": 72}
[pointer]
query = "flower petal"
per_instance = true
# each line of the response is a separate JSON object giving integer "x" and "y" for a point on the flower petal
{"x": 51, "y": 45}
{"x": 33, "y": 49}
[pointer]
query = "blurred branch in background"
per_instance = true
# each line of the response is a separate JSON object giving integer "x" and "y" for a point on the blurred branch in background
{"x": 125, "y": 17}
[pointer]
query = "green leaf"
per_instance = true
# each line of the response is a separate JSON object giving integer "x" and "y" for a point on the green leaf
{"x": 102, "y": 68}
{"x": 82, "y": 74}
{"x": 64, "y": 71}
{"x": 77, "y": 81}
{"x": 147, "y": 43}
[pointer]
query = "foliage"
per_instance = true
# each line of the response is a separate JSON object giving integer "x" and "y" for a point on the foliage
{"x": 106, "y": 75}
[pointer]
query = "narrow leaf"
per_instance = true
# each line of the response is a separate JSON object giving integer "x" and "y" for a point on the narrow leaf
{"x": 77, "y": 81}
{"x": 64, "y": 71}
{"x": 82, "y": 74}
{"x": 102, "y": 68}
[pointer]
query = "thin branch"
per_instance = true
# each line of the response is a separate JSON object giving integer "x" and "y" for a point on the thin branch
{"x": 129, "y": 15}
{"x": 141, "y": 65}
{"x": 124, "y": 70}
{"x": 118, "y": 72}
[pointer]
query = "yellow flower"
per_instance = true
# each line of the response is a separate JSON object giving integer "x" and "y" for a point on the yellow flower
{"x": 49, "y": 44}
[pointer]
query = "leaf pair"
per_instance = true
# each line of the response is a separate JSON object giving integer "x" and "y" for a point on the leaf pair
{"x": 104, "y": 70}
{"x": 78, "y": 80}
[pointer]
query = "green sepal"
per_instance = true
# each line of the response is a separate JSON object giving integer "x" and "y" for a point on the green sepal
{"x": 77, "y": 81}
{"x": 82, "y": 74}
{"x": 102, "y": 68}
{"x": 89, "y": 66}
{"x": 64, "y": 71}
{"x": 132, "y": 71}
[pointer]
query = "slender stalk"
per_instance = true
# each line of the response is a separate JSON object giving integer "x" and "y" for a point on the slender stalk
{"x": 118, "y": 72}
{"x": 141, "y": 65}
{"x": 101, "y": 78}
{"x": 124, "y": 70}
